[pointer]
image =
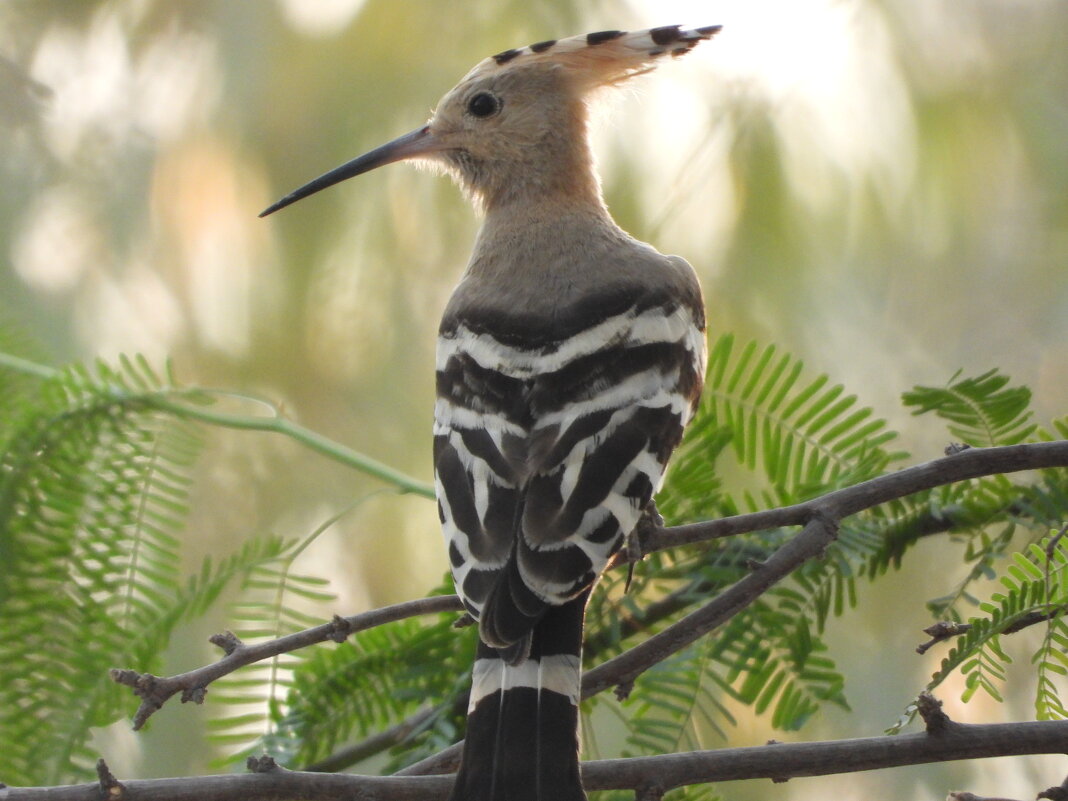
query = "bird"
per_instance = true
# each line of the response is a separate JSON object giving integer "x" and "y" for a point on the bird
{"x": 570, "y": 358}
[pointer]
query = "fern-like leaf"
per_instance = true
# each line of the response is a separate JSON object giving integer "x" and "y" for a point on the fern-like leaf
{"x": 92, "y": 492}
{"x": 675, "y": 700}
{"x": 805, "y": 437}
{"x": 372, "y": 681}
{"x": 982, "y": 411}
{"x": 776, "y": 662}
{"x": 1036, "y": 588}
{"x": 269, "y": 607}
{"x": 1051, "y": 657}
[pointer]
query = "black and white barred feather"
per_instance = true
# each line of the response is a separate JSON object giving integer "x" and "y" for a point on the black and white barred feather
{"x": 551, "y": 436}
{"x": 546, "y": 455}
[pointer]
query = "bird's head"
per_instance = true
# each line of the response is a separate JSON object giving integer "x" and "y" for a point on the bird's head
{"x": 515, "y": 125}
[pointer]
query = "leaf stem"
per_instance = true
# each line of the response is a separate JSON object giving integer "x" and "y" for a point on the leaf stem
{"x": 21, "y": 365}
{"x": 305, "y": 436}
{"x": 177, "y": 402}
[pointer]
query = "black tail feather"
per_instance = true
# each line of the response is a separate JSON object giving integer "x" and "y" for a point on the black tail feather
{"x": 522, "y": 737}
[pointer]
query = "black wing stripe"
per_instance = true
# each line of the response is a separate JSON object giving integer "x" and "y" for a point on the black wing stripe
{"x": 559, "y": 567}
{"x": 481, "y": 446}
{"x": 499, "y": 521}
{"x": 608, "y": 530}
{"x": 583, "y": 428}
{"x": 547, "y": 454}
{"x": 604, "y": 466}
{"x": 591, "y": 375}
{"x": 459, "y": 500}
{"x": 466, "y": 383}
{"x": 477, "y": 584}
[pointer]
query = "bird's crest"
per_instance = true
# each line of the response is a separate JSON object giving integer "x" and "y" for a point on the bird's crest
{"x": 601, "y": 58}
{"x": 516, "y": 123}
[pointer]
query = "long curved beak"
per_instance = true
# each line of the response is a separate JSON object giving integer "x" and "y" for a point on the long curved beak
{"x": 419, "y": 142}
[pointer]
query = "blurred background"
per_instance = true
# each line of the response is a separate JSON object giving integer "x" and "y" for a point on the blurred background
{"x": 879, "y": 186}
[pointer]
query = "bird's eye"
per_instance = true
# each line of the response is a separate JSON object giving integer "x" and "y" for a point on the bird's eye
{"x": 484, "y": 105}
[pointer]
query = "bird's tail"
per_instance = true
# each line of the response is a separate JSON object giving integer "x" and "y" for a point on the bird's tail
{"x": 522, "y": 720}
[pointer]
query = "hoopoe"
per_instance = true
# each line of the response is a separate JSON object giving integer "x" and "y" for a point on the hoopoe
{"x": 570, "y": 357}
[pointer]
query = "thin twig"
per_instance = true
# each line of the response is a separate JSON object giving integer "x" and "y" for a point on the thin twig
{"x": 947, "y": 629}
{"x": 110, "y": 788}
{"x": 375, "y": 744}
{"x": 154, "y": 691}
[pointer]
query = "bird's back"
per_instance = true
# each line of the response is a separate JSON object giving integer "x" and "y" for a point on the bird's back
{"x": 562, "y": 391}
{"x": 569, "y": 360}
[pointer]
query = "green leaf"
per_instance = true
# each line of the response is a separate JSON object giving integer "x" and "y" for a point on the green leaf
{"x": 93, "y": 489}
{"x": 981, "y": 411}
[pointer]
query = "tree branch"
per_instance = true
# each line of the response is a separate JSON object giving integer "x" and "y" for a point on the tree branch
{"x": 375, "y": 744}
{"x": 931, "y": 522}
{"x": 625, "y": 668}
{"x": 155, "y": 691}
{"x": 778, "y": 761}
{"x": 821, "y": 516}
{"x": 792, "y": 760}
{"x": 960, "y": 466}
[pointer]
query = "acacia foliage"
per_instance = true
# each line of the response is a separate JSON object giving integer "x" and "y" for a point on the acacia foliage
{"x": 94, "y": 473}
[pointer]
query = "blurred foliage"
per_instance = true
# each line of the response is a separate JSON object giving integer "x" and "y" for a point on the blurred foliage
{"x": 93, "y": 494}
{"x": 383, "y": 677}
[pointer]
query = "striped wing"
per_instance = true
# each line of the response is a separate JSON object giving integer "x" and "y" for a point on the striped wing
{"x": 547, "y": 452}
